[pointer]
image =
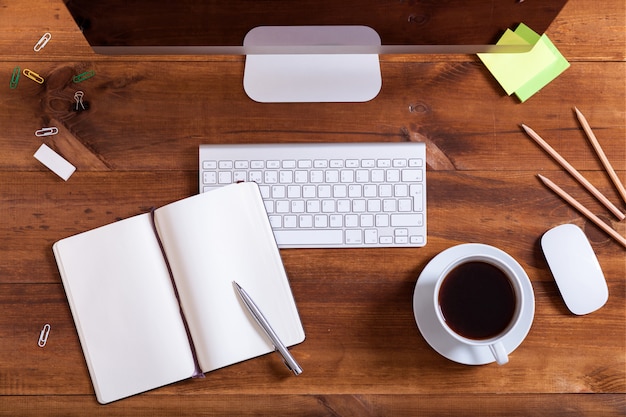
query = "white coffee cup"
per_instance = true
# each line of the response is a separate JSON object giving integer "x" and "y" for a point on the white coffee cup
{"x": 479, "y": 301}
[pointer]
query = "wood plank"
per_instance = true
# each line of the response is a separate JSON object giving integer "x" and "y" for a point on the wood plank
{"x": 39, "y": 209}
{"x": 368, "y": 344}
{"x": 174, "y": 110}
{"x": 558, "y": 405}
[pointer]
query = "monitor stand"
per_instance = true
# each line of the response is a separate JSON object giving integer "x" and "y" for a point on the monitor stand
{"x": 319, "y": 77}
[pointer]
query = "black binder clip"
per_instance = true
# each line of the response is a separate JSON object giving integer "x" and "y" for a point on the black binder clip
{"x": 80, "y": 105}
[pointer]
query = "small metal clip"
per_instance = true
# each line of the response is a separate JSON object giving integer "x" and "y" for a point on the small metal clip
{"x": 46, "y": 131}
{"x": 33, "y": 76}
{"x": 83, "y": 76}
{"x": 43, "y": 336}
{"x": 78, "y": 96}
{"x": 15, "y": 78}
{"x": 42, "y": 42}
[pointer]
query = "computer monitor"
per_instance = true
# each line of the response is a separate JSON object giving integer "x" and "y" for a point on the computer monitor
{"x": 306, "y": 50}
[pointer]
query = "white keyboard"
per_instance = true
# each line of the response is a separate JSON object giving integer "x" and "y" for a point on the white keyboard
{"x": 331, "y": 194}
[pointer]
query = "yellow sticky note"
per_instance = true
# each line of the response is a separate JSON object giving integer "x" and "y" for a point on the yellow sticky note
{"x": 514, "y": 70}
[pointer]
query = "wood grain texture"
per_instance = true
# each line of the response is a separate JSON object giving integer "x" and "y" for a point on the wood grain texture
{"x": 136, "y": 148}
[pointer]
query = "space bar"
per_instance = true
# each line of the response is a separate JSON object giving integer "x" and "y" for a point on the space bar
{"x": 308, "y": 237}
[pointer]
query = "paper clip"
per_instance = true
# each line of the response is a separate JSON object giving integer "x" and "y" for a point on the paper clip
{"x": 33, "y": 76}
{"x": 78, "y": 96}
{"x": 43, "y": 336}
{"x": 46, "y": 131}
{"x": 42, "y": 42}
{"x": 15, "y": 78}
{"x": 83, "y": 76}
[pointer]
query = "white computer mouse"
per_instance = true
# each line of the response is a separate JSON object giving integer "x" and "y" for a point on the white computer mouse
{"x": 575, "y": 268}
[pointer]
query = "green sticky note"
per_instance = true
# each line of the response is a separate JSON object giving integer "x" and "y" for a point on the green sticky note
{"x": 527, "y": 34}
{"x": 544, "y": 77}
{"x": 525, "y": 73}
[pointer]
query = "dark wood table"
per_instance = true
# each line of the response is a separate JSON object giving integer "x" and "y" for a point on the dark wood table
{"x": 136, "y": 147}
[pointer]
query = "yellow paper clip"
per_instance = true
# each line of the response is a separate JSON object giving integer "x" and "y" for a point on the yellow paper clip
{"x": 83, "y": 76}
{"x": 15, "y": 78}
{"x": 43, "y": 336}
{"x": 33, "y": 76}
{"x": 42, "y": 42}
{"x": 46, "y": 131}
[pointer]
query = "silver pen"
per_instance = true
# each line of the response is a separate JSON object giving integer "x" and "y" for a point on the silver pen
{"x": 260, "y": 318}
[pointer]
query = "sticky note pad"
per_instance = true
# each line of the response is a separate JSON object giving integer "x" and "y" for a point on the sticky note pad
{"x": 525, "y": 73}
{"x": 54, "y": 162}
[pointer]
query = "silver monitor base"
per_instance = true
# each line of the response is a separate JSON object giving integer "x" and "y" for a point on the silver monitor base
{"x": 302, "y": 77}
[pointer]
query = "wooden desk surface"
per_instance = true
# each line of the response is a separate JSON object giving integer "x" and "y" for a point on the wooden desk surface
{"x": 136, "y": 147}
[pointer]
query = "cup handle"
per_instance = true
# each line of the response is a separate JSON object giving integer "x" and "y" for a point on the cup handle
{"x": 499, "y": 353}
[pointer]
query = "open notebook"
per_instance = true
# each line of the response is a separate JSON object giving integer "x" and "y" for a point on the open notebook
{"x": 125, "y": 305}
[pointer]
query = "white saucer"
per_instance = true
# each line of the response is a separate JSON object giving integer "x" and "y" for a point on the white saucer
{"x": 436, "y": 336}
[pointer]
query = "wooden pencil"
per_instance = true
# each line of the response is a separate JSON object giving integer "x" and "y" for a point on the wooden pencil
{"x": 605, "y": 161}
{"x": 577, "y": 175}
{"x": 585, "y": 211}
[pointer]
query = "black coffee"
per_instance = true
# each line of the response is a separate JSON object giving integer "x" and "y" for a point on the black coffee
{"x": 477, "y": 300}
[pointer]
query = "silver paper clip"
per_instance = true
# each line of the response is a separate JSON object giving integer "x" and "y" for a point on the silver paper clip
{"x": 42, "y": 42}
{"x": 43, "y": 336}
{"x": 78, "y": 96}
{"x": 46, "y": 131}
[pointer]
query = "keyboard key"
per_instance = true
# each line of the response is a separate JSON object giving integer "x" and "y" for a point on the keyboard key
{"x": 313, "y": 206}
{"x": 320, "y": 220}
{"x": 290, "y": 221}
{"x": 406, "y": 220}
{"x": 371, "y": 236}
{"x": 306, "y": 221}
{"x": 285, "y": 177}
{"x": 294, "y": 191}
{"x": 276, "y": 221}
{"x": 367, "y": 220}
{"x": 301, "y": 177}
{"x": 209, "y": 178}
{"x": 340, "y": 191}
{"x": 309, "y": 237}
{"x": 317, "y": 176}
{"x": 351, "y": 220}
{"x": 297, "y": 206}
{"x": 278, "y": 191}
{"x": 412, "y": 175}
{"x": 399, "y": 163}
{"x": 308, "y": 191}
{"x": 336, "y": 163}
{"x": 354, "y": 237}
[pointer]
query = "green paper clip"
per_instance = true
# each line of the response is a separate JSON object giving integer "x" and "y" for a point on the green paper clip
{"x": 83, "y": 76}
{"x": 15, "y": 78}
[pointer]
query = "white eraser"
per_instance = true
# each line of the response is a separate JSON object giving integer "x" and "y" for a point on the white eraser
{"x": 54, "y": 162}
